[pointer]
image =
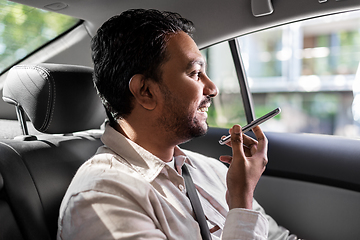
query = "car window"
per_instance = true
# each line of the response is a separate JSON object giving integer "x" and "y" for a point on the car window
{"x": 24, "y": 29}
{"x": 310, "y": 69}
{"x": 226, "y": 109}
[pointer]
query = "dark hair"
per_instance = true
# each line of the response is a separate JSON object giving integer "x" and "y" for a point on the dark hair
{"x": 133, "y": 42}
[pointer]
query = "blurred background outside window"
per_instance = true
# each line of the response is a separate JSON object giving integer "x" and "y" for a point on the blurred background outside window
{"x": 310, "y": 69}
{"x": 24, "y": 29}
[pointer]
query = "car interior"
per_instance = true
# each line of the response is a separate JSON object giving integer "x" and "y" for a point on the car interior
{"x": 51, "y": 118}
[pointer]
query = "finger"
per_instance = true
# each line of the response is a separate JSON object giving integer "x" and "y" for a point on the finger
{"x": 237, "y": 141}
{"x": 262, "y": 140}
{"x": 262, "y": 144}
{"x": 249, "y": 141}
{"x": 226, "y": 159}
{"x": 229, "y": 142}
{"x": 251, "y": 145}
{"x": 248, "y": 152}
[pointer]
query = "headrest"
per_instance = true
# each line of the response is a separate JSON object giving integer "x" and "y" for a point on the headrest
{"x": 57, "y": 98}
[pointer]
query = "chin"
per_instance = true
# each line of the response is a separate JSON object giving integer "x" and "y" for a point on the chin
{"x": 199, "y": 130}
{"x": 193, "y": 131}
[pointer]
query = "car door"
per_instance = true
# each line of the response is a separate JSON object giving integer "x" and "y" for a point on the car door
{"x": 310, "y": 69}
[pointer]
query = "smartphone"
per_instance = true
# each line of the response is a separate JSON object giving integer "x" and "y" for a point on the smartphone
{"x": 253, "y": 124}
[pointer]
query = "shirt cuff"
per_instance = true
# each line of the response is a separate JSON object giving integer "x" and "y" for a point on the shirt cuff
{"x": 245, "y": 224}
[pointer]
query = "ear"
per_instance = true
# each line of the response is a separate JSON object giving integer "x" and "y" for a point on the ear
{"x": 144, "y": 91}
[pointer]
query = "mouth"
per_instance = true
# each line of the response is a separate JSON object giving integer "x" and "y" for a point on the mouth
{"x": 204, "y": 106}
{"x": 203, "y": 109}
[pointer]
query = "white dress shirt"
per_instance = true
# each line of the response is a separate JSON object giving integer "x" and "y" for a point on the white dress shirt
{"x": 125, "y": 192}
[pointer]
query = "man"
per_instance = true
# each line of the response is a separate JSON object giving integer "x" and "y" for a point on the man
{"x": 151, "y": 78}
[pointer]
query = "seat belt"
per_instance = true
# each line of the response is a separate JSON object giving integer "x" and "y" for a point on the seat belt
{"x": 195, "y": 203}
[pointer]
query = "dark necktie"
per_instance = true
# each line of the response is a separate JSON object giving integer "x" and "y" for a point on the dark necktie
{"x": 195, "y": 203}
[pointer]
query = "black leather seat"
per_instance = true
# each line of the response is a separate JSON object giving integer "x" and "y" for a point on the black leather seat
{"x": 35, "y": 171}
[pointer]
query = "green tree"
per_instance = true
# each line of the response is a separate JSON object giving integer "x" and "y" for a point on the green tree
{"x": 24, "y": 29}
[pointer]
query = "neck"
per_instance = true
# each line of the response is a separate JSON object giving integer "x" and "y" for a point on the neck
{"x": 148, "y": 138}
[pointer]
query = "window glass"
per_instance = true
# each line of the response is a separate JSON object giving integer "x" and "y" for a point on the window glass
{"x": 311, "y": 70}
{"x": 23, "y": 29}
{"x": 226, "y": 109}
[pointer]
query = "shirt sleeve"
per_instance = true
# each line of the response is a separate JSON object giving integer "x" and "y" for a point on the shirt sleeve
{"x": 276, "y": 232}
{"x": 245, "y": 224}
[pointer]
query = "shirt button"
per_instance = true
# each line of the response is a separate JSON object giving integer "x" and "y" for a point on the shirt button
{"x": 182, "y": 188}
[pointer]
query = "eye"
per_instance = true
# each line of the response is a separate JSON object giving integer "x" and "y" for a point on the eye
{"x": 195, "y": 74}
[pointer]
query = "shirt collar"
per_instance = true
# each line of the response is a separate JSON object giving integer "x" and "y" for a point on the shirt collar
{"x": 180, "y": 158}
{"x": 141, "y": 160}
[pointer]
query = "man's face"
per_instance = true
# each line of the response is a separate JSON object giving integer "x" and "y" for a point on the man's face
{"x": 186, "y": 89}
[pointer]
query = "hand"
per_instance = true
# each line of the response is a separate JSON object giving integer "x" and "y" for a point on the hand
{"x": 248, "y": 162}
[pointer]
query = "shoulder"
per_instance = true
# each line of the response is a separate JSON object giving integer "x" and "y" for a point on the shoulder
{"x": 107, "y": 173}
{"x": 104, "y": 178}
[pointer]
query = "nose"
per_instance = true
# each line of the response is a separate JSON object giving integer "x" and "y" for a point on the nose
{"x": 210, "y": 89}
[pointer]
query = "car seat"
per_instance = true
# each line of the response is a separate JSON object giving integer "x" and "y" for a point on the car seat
{"x": 35, "y": 171}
